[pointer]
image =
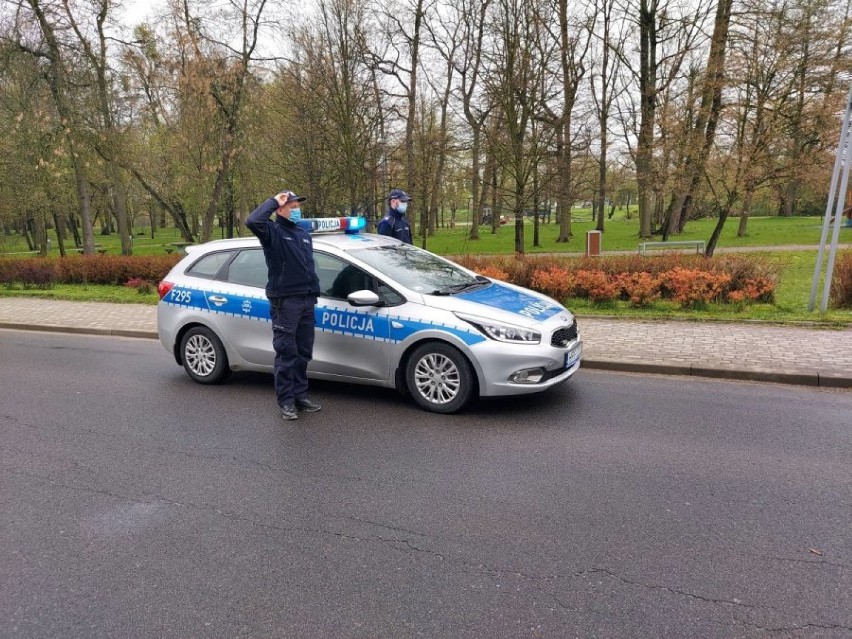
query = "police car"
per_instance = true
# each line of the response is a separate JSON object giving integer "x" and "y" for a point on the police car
{"x": 389, "y": 314}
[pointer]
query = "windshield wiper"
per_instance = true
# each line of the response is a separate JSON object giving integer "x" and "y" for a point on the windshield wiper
{"x": 458, "y": 288}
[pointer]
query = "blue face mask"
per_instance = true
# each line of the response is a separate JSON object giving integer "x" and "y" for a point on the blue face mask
{"x": 402, "y": 207}
{"x": 295, "y": 215}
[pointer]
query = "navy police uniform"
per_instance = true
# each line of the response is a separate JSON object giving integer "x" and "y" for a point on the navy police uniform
{"x": 394, "y": 223}
{"x": 292, "y": 289}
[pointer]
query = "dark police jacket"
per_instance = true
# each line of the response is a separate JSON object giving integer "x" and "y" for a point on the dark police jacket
{"x": 288, "y": 250}
{"x": 395, "y": 224}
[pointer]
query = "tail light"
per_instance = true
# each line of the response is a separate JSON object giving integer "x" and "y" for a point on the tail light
{"x": 163, "y": 288}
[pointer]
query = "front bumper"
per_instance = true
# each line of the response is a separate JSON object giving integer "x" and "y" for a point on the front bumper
{"x": 497, "y": 362}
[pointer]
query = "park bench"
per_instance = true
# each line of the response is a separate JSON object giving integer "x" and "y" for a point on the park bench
{"x": 698, "y": 245}
{"x": 180, "y": 246}
{"x": 98, "y": 247}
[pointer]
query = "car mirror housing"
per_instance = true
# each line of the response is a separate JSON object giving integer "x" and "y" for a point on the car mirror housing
{"x": 363, "y": 298}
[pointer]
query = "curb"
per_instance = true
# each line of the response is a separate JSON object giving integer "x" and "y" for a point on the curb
{"x": 689, "y": 370}
{"x": 621, "y": 366}
{"x": 109, "y": 332}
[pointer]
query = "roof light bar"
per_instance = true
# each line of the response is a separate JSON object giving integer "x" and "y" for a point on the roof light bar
{"x": 348, "y": 225}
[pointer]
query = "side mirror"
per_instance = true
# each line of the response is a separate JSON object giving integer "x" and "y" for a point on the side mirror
{"x": 364, "y": 298}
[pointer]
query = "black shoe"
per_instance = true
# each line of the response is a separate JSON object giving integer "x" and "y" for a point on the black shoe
{"x": 307, "y": 405}
{"x": 289, "y": 413}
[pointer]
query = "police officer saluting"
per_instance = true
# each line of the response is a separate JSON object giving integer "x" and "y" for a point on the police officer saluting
{"x": 394, "y": 223}
{"x": 292, "y": 289}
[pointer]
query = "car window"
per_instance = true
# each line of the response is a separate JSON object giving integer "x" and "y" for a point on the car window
{"x": 248, "y": 268}
{"x": 417, "y": 269}
{"x": 338, "y": 278}
{"x": 209, "y": 265}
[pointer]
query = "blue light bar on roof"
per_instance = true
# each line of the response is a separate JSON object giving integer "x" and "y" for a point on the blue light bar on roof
{"x": 327, "y": 224}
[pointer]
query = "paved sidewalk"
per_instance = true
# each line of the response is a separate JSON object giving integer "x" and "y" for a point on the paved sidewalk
{"x": 750, "y": 351}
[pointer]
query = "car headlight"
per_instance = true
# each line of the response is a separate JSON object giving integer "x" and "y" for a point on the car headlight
{"x": 502, "y": 332}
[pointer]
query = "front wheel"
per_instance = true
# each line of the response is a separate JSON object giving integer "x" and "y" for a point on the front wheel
{"x": 203, "y": 356}
{"x": 439, "y": 378}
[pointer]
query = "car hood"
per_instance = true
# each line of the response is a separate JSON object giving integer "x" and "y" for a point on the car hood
{"x": 503, "y": 302}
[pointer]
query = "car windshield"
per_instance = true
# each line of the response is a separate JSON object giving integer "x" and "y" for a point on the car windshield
{"x": 419, "y": 270}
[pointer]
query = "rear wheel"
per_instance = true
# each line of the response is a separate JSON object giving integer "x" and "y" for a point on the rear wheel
{"x": 203, "y": 356}
{"x": 439, "y": 377}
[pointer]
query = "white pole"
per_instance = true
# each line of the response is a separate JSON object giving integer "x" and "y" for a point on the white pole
{"x": 838, "y": 215}
{"x": 842, "y": 159}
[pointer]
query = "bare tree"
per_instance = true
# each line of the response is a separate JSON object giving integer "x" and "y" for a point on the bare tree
{"x": 224, "y": 76}
{"x": 404, "y": 25}
{"x": 604, "y": 90}
{"x": 701, "y": 135}
{"x": 106, "y": 139}
{"x": 338, "y": 82}
{"x": 523, "y": 51}
{"x": 445, "y": 37}
{"x": 49, "y": 47}
{"x": 473, "y": 17}
{"x": 572, "y": 57}
{"x": 666, "y": 39}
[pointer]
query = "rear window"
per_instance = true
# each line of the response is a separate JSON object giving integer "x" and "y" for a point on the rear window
{"x": 248, "y": 269}
{"x": 209, "y": 265}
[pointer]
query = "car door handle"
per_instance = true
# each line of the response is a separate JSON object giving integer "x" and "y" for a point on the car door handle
{"x": 218, "y": 300}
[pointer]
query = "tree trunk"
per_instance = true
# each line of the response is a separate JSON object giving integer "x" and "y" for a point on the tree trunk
{"x": 742, "y": 230}
{"x": 648, "y": 106}
{"x": 57, "y": 226}
{"x": 476, "y": 204}
{"x": 704, "y": 131}
{"x": 602, "y": 179}
{"x": 724, "y": 211}
{"x": 410, "y": 160}
{"x": 519, "y": 219}
{"x": 563, "y": 199}
{"x": 536, "y": 240}
{"x": 40, "y": 233}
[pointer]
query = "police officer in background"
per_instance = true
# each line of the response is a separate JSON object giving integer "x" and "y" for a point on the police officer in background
{"x": 292, "y": 289}
{"x": 394, "y": 223}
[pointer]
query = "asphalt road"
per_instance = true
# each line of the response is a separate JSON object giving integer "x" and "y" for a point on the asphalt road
{"x": 135, "y": 503}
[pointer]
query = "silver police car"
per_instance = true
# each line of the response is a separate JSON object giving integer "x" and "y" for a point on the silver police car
{"x": 389, "y": 314}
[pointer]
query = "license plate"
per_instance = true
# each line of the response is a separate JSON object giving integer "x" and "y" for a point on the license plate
{"x": 573, "y": 355}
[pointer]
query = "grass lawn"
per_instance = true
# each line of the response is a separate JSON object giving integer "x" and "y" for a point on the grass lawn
{"x": 623, "y": 235}
{"x": 620, "y": 234}
{"x": 85, "y": 293}
{"x": 161, "y": 244}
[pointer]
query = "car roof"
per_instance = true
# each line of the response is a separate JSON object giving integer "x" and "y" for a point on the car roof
{"x": 337, "y": 240}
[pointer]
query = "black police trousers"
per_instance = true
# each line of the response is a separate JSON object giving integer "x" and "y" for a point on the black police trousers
{"x": 293, "y": 341}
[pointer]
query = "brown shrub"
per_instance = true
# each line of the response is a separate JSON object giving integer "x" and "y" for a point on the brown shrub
{"x": 493, "y": 272}
{"x": 555, "y": 281}
{"x": 759, "y": 289}
{"x": 114, "y": 269}
{"x": 743, "y": 269}
{"x": 639, "y": 288}
{"x": 85, "y": 269}
{"x": 7, "y": 271}
{"x": 35, "y": 273}
{"x": 694, "y": 288}
{"x": 841, "y": 281}
{"x": 596, "y": 285}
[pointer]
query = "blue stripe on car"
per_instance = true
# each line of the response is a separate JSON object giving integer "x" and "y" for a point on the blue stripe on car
{"x": 328, "y": 319}
{"x": 500, "y": 296}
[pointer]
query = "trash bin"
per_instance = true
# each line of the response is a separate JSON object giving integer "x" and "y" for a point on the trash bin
{"x": 593, "y": 243}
